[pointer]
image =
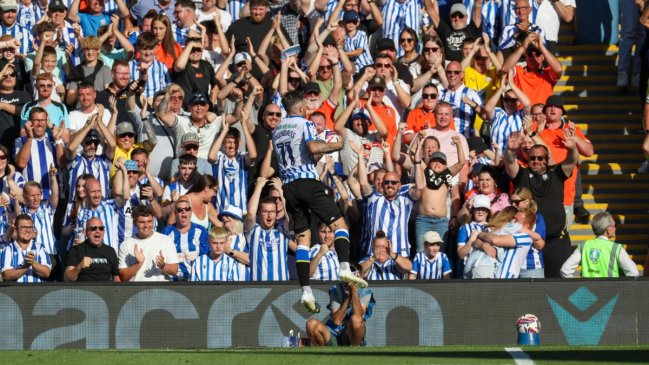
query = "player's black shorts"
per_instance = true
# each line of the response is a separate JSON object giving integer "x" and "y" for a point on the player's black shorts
{"x": 306, "y": 196}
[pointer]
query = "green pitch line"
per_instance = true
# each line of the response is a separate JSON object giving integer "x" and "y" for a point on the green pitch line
{"x": 337, "y": 356}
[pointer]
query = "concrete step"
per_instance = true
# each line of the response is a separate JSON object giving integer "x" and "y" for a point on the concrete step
{"x": 608, "y": 168}
{"x": 622, "y": 196}
{"x": 590, "y": 48}
{"x": 612, "y": 99}
{"x": 632, "y": 156}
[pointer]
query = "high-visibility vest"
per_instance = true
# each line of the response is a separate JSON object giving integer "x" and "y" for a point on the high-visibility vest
{"x": 599, "y": 258}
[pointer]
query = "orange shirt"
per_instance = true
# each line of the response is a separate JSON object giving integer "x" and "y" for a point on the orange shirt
{"x": 166, "y": 58}
{"x": 537, "y": 86}
{"x": 554, "y": 138}
{"x": 328, "y": 110}
{"x": 389, "y": 117}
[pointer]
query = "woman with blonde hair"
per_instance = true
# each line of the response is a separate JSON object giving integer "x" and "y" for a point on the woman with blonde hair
{"x": 534, "y": 266}
{"x": 237, "y": 245}
{"x": 167, "y": 50}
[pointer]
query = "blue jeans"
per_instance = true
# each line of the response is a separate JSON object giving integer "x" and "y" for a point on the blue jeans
{"x": 424, "y": 223}
{"x": 631, "y": 32}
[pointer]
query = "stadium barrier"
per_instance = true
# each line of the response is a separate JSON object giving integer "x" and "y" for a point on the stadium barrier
{"x": 188, "y": 315}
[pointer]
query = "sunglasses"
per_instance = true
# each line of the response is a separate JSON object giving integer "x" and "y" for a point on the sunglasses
{"x": 429, "y": 96}
{"x": 390, "y": 182}
{"x": 453, "y": 72}
{"x": 3, "y": 157}
{"x": 241, "y": 64}
{"x": 310, "y": 94}
{"x": 274, "y": 114}
{"x": 406, "y": 40}
{"x": 45, "y": 86}
{"x": 517, "y": 201}
{"x": 92, "y": 141}
{"x": 510, "y": 100}
{"x": 7, "y": 50}
{"x": 431, "y": 49}
{"x": 96, "y": 228}
{"x": 128, "y": 135}
{"x": 325, "y": 67}
{"x": 190, "y": 147}
{"x": 480, "y": 58}
{"x": 537, "y": 158}
{"x": 382, "y": 65}
{"x": 457, "y": 15}
{"x": 294, "y": 79}
{"x": 533, "y": 53}
{"x": 180, "y": 210}
{"x": 176, "y": 98}
{"x": 378, "y": 89}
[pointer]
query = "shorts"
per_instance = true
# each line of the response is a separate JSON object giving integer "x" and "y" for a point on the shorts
{"x": 339, "y": 341}
{"x": 306, "y": 196}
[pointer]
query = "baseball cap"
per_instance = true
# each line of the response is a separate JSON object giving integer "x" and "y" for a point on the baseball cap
{"x": 360, "y": 113}
{"x": 481, "y": 201}
{"x": 231, "y": 211}
{"x": 189, "y": 138}
{"x": 131, "y": 165}
{"x": 385, "y": 43}
{"x": 458, "y": 8}
{"x": 432, "y": 237}
{"x": 91, "y": 136}
{"x": 477, "y": 144}
{"x": 438, "y": 156}
{"x": 376, "y": 82}
{"x": 8, "y": 5}
{"x": 242, "y": 56}
{"x": 125, "y": 127}
{"x": 555, "y": 100}
{"x": 350, "y": 16}
{"x": 198, "y": 98}
{"x": 311, "y": 87}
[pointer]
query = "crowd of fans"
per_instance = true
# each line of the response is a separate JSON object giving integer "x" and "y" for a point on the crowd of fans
{"x": 137, "y": 138}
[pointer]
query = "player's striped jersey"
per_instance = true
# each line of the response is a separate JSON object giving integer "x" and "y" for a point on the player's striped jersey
{"x": 383, "y": 271}
{"x": 391, "y": 217}
{"x": 290, "y": 139}
{"x": 189, "y": 246}
{"x": 512, "y": 258}
{"x": 232, "y": 174}
{"x": 427, "y": 269}
{"x": 328, "y": 266}
{"x": 205, "y": 268}
{"x": 43, "y": 219}
{"x": 463, "y": 114}
{"x": 268, "y": 252}
{"x": 13, "y": 257}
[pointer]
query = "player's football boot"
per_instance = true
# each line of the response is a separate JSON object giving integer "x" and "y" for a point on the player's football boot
{"x": 349, "y": 277}
{"x": 309, "y": 302}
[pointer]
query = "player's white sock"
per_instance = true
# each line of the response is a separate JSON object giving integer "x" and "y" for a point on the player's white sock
{"x": 344, "y": 266}
{"x": 306, "y": 289}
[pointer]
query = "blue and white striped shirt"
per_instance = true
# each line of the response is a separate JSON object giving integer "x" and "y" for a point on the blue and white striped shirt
{"x": 503, "y": 125}
{"x": 206, "y": 269}
{"x": 238, "y": 243}
{"x": 383, "y": 271}
{"x": 268, "y": 252}
{"x": 43, "y": 219}
{"x": 508, "y": 14}
{"x": 535, "y": 257}
{"x": 328, "y": 266}
{"x": 359, "y": 40}
{"x": 463, "y": 114}
{"x": 22, "y": 34}
{"x": 99, "y": 167}
{"x": 42, "y": 155}
{"x": 4, "y": 186}
{"x": 107, "y": 212}
{"x": 189, "y": 246}
{"x": 434, "y": 269}
{"x": 391, "y": 217}
{"x": 27, "y": 16}
{"x": 490, "y": 17}
{"x": 158, "y": 76}
{"x": 507, "y": 39}
{"x": 70, "y": 38}
{"x": 234, "y": 8}
{"x": 512, "y": 258}
{"x": 232, "y": 175}
{"x": 176, "y": 186}
{"x": 290, "y": 139}
{"x": 13, "y": 257}
{"x": 397, "y": 16}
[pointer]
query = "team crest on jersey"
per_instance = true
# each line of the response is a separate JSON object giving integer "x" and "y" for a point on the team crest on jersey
{"x": 594, "y": 254}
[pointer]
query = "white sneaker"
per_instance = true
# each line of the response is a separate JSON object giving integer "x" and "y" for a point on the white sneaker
{"x": 622, "y": 80}
{"x": 309, "y": 302}
{"x": 348, "y": 277}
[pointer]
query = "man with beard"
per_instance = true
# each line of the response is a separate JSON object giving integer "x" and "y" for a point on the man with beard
{"x": 459, "y": 29}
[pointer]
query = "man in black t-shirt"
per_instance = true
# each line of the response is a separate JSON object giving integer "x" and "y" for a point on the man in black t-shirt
{"x": 11, "y": 103}
{"x": 192, "y": 73}
{"x": 546, "y": 184}
{"x": 454, "y": 34}
{"x": 92, "y": 260}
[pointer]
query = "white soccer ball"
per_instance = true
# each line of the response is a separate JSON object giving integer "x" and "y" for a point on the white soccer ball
{"x": 528, "y": 323}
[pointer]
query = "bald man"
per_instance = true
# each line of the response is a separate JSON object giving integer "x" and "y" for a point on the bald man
{"x": 92, "y": 260}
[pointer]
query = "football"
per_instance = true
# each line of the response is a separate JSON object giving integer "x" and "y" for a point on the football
{"x": 528, "y": 323}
